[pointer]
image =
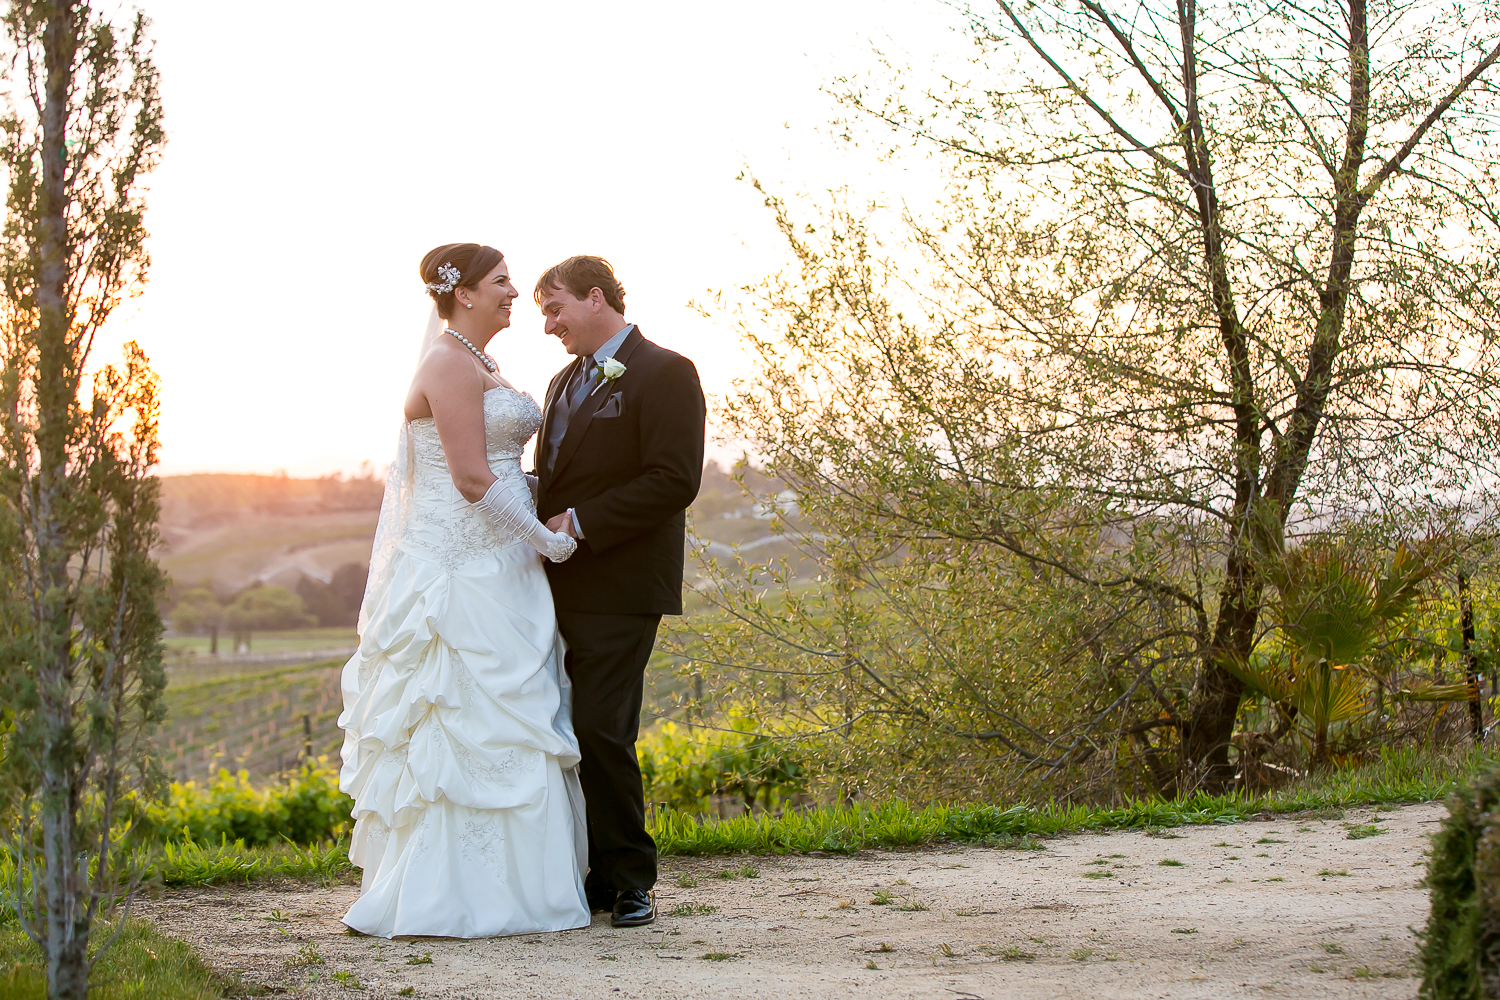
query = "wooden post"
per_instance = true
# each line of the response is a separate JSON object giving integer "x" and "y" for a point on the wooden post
{"x": 1471, "y": 660}
{"x": 307, "y": 742}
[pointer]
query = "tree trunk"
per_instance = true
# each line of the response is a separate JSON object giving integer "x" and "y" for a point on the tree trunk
{"x": 66, "y": 938}
{"x": 1216, "y": 702}
{"x": 1471, "y": 661}
{"x": 67, "y": 931}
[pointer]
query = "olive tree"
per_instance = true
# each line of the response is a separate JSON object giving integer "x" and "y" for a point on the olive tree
{"x": 1202, "y": 280}
{"x": 80, "y": 651}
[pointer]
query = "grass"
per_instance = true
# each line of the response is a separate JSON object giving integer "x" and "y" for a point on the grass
{"x": 1170, "y": 863}
{"x": 308, "y": 954}
{"x": 1359, "y": 831}
{"x": 1399, "y": 776}
{"x": 347, "y": 980}
{"x": 191, "y": 864}
{"x": 142, "y": 964}
{"x": 692, "y": 910}
{"x": 744, "y": 871}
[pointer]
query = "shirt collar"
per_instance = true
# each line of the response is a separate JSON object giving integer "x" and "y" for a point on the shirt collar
{"x": 610, "y": 346}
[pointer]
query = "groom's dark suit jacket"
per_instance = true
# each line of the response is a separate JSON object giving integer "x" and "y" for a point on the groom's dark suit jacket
{"x": 629, "y": 465}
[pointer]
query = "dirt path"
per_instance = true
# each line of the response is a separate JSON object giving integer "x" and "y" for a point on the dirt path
{"x": 1290, "y": 907}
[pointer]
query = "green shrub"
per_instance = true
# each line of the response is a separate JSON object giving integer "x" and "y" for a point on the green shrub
{"x": 1460, "y": 949}
{"x": 684, "y": 768}
{"x": 308, "y": 810}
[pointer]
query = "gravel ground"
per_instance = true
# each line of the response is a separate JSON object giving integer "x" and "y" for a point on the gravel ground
{"x": 1299, "y": 906}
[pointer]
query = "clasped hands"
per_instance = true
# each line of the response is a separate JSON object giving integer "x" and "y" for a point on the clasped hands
{"x": 562, "y": 524}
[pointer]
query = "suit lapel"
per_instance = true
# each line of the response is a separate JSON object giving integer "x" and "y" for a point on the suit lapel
{"x": 578, "y": 423}
{"x": 559, "y": 381}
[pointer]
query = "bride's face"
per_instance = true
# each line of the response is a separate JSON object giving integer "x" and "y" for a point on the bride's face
{"x": 491, "y": 299}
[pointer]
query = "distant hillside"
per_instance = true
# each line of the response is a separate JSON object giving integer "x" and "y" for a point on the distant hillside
{"x": 232, "y": 531}
{"x": 202, "y": 500}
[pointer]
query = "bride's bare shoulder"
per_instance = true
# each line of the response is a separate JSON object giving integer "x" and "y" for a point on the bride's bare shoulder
{"x": 444, "y": 373}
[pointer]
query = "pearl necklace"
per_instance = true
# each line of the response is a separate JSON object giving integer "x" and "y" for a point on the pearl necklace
{"x": 484, "y": 358}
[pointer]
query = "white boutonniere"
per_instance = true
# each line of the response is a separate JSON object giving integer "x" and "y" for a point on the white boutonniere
{"x": 610, "y": 371}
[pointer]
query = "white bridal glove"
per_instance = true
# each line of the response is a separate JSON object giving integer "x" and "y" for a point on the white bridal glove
{"x": 503, "y": 509}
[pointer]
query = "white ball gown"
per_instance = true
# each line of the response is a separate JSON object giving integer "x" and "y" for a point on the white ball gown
{"x": 458, "y": 749}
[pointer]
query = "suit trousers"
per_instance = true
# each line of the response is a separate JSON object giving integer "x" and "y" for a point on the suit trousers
{"x": 606, "y": 662}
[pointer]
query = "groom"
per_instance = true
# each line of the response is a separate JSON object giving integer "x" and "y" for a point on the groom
{"x": 619, "y": 460}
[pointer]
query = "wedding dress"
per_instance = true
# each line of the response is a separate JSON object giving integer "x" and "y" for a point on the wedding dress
{"x": 458, "y": 749}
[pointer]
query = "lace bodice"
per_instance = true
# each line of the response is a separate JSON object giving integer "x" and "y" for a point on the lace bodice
{"x": 442, "y": 524}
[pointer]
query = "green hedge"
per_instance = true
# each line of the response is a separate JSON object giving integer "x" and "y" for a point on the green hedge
{"x": 1460, "y": 949}
{"x": 310, "y": 809}
{"x": 684, "y": 767}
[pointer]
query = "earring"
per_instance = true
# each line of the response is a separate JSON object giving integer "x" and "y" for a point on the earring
{"x": 468, "y": 305}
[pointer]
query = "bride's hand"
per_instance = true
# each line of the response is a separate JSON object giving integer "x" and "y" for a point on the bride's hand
{"x": 559, "y": 547}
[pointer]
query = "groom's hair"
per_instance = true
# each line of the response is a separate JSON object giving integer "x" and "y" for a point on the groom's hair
{"x": 581, "y": 275}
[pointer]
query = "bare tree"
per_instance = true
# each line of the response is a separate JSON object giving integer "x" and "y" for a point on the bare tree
{"x": 81, "y": 655}
{"x": 1202, "y": 279}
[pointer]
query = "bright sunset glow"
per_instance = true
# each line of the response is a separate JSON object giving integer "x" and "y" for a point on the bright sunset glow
{"x": 308, "y": 170}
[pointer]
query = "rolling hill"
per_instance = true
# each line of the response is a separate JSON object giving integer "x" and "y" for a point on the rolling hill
{"x": 228, "y": 532}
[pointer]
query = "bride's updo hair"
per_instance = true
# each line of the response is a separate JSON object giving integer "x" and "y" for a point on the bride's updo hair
{"x": 471, "y": 260}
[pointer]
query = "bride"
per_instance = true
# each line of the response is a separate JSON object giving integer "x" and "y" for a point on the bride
{"x": 458, "y": 742}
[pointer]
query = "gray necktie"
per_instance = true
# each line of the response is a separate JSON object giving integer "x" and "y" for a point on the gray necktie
{"x": 574, "y": 394}
{"x": 584, "y": 377}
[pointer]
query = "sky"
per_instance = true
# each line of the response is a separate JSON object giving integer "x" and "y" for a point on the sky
{"x": 318, "y": 149}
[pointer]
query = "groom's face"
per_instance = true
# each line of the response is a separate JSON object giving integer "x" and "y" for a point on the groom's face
{"x": 570, "y": 320}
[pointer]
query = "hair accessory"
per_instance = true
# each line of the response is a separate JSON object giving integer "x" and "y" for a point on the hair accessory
{"x": 450, "y": 277}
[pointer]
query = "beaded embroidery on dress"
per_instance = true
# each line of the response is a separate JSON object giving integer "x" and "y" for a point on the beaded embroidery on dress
{"x": 458, "y": 742}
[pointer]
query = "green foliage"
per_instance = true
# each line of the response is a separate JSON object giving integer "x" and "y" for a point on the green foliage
{"x": 80, "y": 632}
{"x": 309, "y": 809}
{"x": 196, "y": 610}
{"x": 683, "y": 767}
{"x": 1400, "y": 776}
{"x": 1038, "y": 432}
{"x": 1460, "y": 949}
{"x": 261, "y": 608}
{"x": 1334, "y": 609}
{"x": 190, "y": 864}
{"x": 337, "y": 601}
{"x": 143, "y": 964}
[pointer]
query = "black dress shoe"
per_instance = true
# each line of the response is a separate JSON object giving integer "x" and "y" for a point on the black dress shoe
{"x": 633, "y": 908}
{"x": 600, "y": 901}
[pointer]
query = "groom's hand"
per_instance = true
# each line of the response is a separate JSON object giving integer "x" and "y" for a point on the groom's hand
{"x": 562, "y": 524}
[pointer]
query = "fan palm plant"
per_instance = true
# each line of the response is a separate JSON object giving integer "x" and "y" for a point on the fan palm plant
{"x": 1333, "y": 610}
